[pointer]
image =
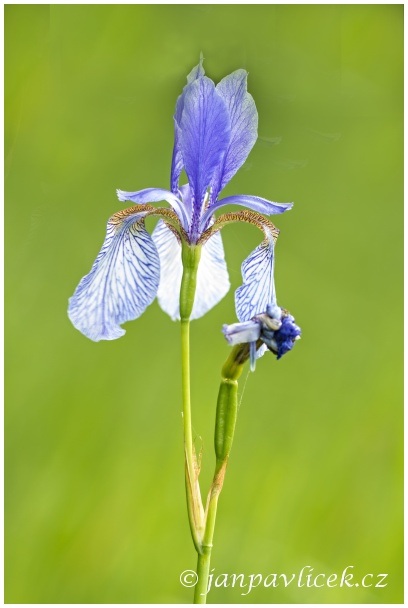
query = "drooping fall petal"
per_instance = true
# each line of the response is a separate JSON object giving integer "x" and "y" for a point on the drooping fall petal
{"x": 122, "y": 282}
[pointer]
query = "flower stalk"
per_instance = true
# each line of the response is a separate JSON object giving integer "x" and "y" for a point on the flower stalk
{"x": 191, "y": 259}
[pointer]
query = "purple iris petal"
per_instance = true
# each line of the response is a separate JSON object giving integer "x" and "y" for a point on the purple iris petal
{"x": 187, "y": 202}
{"x": 154, "y": 195}
{"x": 244, "y": 126}
{"x": 205, "y": 136}
{"x": 196, "y": 73}
{"x": 177, "y": 159}
{"x": 287, "y": 334}
{"x": 251, "y": 202}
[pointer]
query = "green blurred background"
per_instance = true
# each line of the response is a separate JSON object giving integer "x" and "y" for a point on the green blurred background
{"x": 95, "y": 507}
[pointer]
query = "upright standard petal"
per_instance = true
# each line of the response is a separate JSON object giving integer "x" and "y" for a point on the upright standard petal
{"x": 256, "y": 203}
{"x": 196, "y": 73}
{"x": 154, "y": 195}
{"x": 212, "y": 275}
{"x": 244, "y": 126}
{"x": 205, "y": 136}
{"x": 122, "y": 282}
{"x": 185, "y": 193}
{"x": 177, "y": 159}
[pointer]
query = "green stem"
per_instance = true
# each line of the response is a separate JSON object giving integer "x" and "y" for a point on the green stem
{"x": 191, "y": 258}
{"x": 204, "y": 558}
{"x": 227, "y": 406}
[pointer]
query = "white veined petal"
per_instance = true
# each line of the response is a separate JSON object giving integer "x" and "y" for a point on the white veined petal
{"x": 123, "y": 280}
{"x": 212, "y": 276}
{"x": 258, "y": 289}
{"x": 169, "y": 251}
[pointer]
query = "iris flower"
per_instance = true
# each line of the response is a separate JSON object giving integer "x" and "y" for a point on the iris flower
{"x": 215, "y": 130}
{"x": 274, "y": 329}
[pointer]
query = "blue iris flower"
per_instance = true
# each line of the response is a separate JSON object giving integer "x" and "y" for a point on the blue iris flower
{"x": 215, "y": 129}
{"x": 275, "y": 328}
